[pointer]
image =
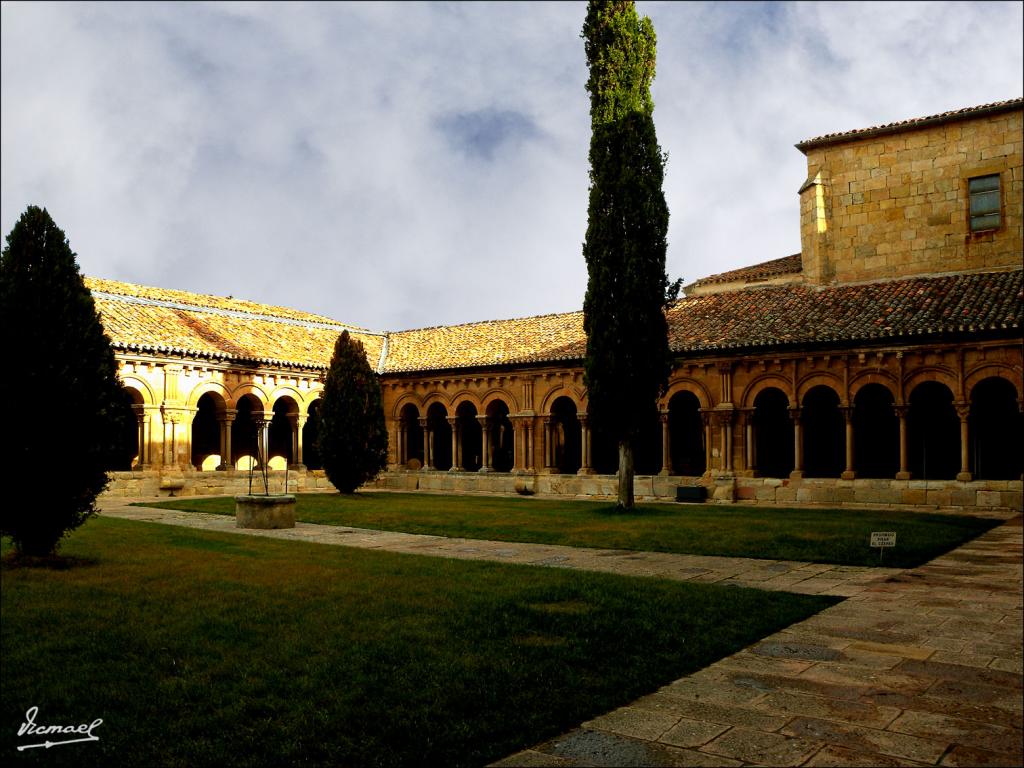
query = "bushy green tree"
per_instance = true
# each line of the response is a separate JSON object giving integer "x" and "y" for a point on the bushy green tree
{"x": 628, "y": 358}
{"x": 66, "y": 413}
{"x": 353, "y": 440}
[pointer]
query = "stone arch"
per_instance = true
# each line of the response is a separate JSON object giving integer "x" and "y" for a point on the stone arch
{"x": 763, "y": 382}
{"x": 694, "y": 387}
{"x": 773, "y": 432}
{"x": 433, "y": 398}
{"x": 464, "y": 396}
{"x": 937, "y": 373}
{"x": 990, "y": 370}
{"x": 995, "y": 428}
{"x": 408, "y": 398}
{"x": 281, "y": 437}
{"x": 249, "y": 408}
{"x": 566, "y": 437}
{"x": 249, "y": 389}
{"x": 208, "y": 416}
{"x": 499, "y": 393}
{"x": 297, "y": 397}
{"x": 558, "y": 392}
{"x": 933, "y": 432}
{"x": 498, "y": 433}
{"x": 823, "y": 430}
{"x": 204, "y": 387}
{"x": 140, "y": 386}
{"x": 410, "y": 435}
{"x": 820, "y": 379}
{"x": 876, "y": 431}
{"x": 439, "y": 435}
{"x": 470, "y": 435}
{"x": 878, "y": 378}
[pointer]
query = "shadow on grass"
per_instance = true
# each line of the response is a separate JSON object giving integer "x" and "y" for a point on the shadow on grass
{"x": 13, "y": 561}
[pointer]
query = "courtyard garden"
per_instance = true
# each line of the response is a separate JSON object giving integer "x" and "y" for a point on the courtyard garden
{"x": 838, "y": 537}
{"x": 199, "y": 648}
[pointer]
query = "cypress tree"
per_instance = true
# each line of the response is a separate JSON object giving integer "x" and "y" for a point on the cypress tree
{"x": 353, "y": 440}
{"x": 66, "y": 411}
{"x": 628, "y": 359}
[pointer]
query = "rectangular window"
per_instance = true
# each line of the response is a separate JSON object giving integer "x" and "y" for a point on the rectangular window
{"x": 984, "y": 193}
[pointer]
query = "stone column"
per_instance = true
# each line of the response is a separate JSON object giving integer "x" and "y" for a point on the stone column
{"x": 262, "y": 421}
{"x": 485, "y": 441}
{"x": 227, "y": 419}
{"x": 749, "y": 447}
{"x": 666, "y": 445}
{"x": 453, "y": 422}
{"x": 798, "y": 445}
{"x": 848, "y": 473}
{"x": 585, "y": 468}
{"x": 140, "y": 437}
{"x": 963, "y": 410}
{"x": 529, "y": 446}
{"x": 725, "y": 421}
{"x": 298, "y": 422}
{"x": 548, "y": 447}
{"x": 428, "y": 460}
{"x": 901, "y": 413}
{"x": 705, "y": 417}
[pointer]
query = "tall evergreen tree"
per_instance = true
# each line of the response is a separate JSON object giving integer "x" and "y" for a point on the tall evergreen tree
{"x": 66, "y": 412}
{"x": 353, "y": 440}
{"x": 628, "y": 358}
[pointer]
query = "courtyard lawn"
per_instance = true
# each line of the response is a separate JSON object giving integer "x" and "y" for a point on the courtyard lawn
{"x": 814, "y": 535}
{"x": 198, "y": 648}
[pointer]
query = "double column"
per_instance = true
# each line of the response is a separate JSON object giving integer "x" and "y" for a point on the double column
{"x": 453, "y": 422}
{"x": 485, "y": 440}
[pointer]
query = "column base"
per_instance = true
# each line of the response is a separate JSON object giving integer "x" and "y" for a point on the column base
{"x": 485, "y": 470}
{"x": 223, "y": 468}
{"x": 902, "y": 475}
{"x": 848, "y": 475}
{"x": 456, "y": 469}
{"x": 964, "y": 477}
{"x": 548, "y": 471}
{"x": 297, "y": 467}
{"x": 665, "y": 473}
{"x": 585, "y": 471}
{"x": 796, "y": 474}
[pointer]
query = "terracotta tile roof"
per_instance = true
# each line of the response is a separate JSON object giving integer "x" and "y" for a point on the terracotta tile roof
{"x": 763, "y": 271}
{"x": 916, "y": 122}
{"x": 143, "y": 319}
{"x": 751, "y": 318}
{"x": 493, "y": 342}
{"x": 776, "y": 316}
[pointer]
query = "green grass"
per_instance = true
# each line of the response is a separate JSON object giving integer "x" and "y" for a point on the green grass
{"x": 814, "y": 535}
{"x": 199, "y": 648}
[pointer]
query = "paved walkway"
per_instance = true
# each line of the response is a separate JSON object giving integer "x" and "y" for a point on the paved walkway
{"x": 788, "y": 575}
{"x": 916, "y": 667}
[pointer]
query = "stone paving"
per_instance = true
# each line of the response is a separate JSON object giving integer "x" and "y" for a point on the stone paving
{"x": 915, "y": 667}
{"x": 788, "y": 575}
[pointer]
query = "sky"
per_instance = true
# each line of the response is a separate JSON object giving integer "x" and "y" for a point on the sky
{"x": 401, "y": 165}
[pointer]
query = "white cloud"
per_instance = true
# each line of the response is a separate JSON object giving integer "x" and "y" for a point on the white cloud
{"x": 309, "y": 155}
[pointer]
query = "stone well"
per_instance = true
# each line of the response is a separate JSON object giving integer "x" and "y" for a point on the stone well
{"x": 265, "y": 511}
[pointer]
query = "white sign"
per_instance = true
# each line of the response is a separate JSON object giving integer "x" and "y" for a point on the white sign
{"x": 883, "y": 538}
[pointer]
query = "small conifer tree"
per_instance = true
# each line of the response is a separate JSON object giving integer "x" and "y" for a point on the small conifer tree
{"x": 353, "y": 439}
{"x": 66, "y": 412}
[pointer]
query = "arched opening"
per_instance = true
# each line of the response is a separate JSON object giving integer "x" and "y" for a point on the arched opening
{"x": 470, "y": 437}
{"x": 243, "y": 432}
{"x": 206, "y": 427}
{"x": 281, "y": 432}
{"x": 824, "y": 433}
{"x": 412, "y": 445}
{"x": 995, "y": 426}
{"x": 501, "y": 436}
{"x": 310, "y": 435}
{"x": 128, "y": 449}
{"x": 440, "y": 434}
{"x": 565, "y": 437}
{"x": 933, "y": 433}
{"x": 773, "y": 433}
{"x": 876, "y": 433}
{"x": 686, "y": 435}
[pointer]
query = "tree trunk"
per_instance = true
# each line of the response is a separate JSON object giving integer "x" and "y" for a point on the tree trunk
{"x": 625, "y": 475}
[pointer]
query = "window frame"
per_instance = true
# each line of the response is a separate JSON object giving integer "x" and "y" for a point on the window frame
{"x": 974, "y": 225}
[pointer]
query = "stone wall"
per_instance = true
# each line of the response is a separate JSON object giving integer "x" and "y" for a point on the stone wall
{"x": 896, "y": 204}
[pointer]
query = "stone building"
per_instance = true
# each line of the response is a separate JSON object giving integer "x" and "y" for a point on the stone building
{"x": 881, "y": 364}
